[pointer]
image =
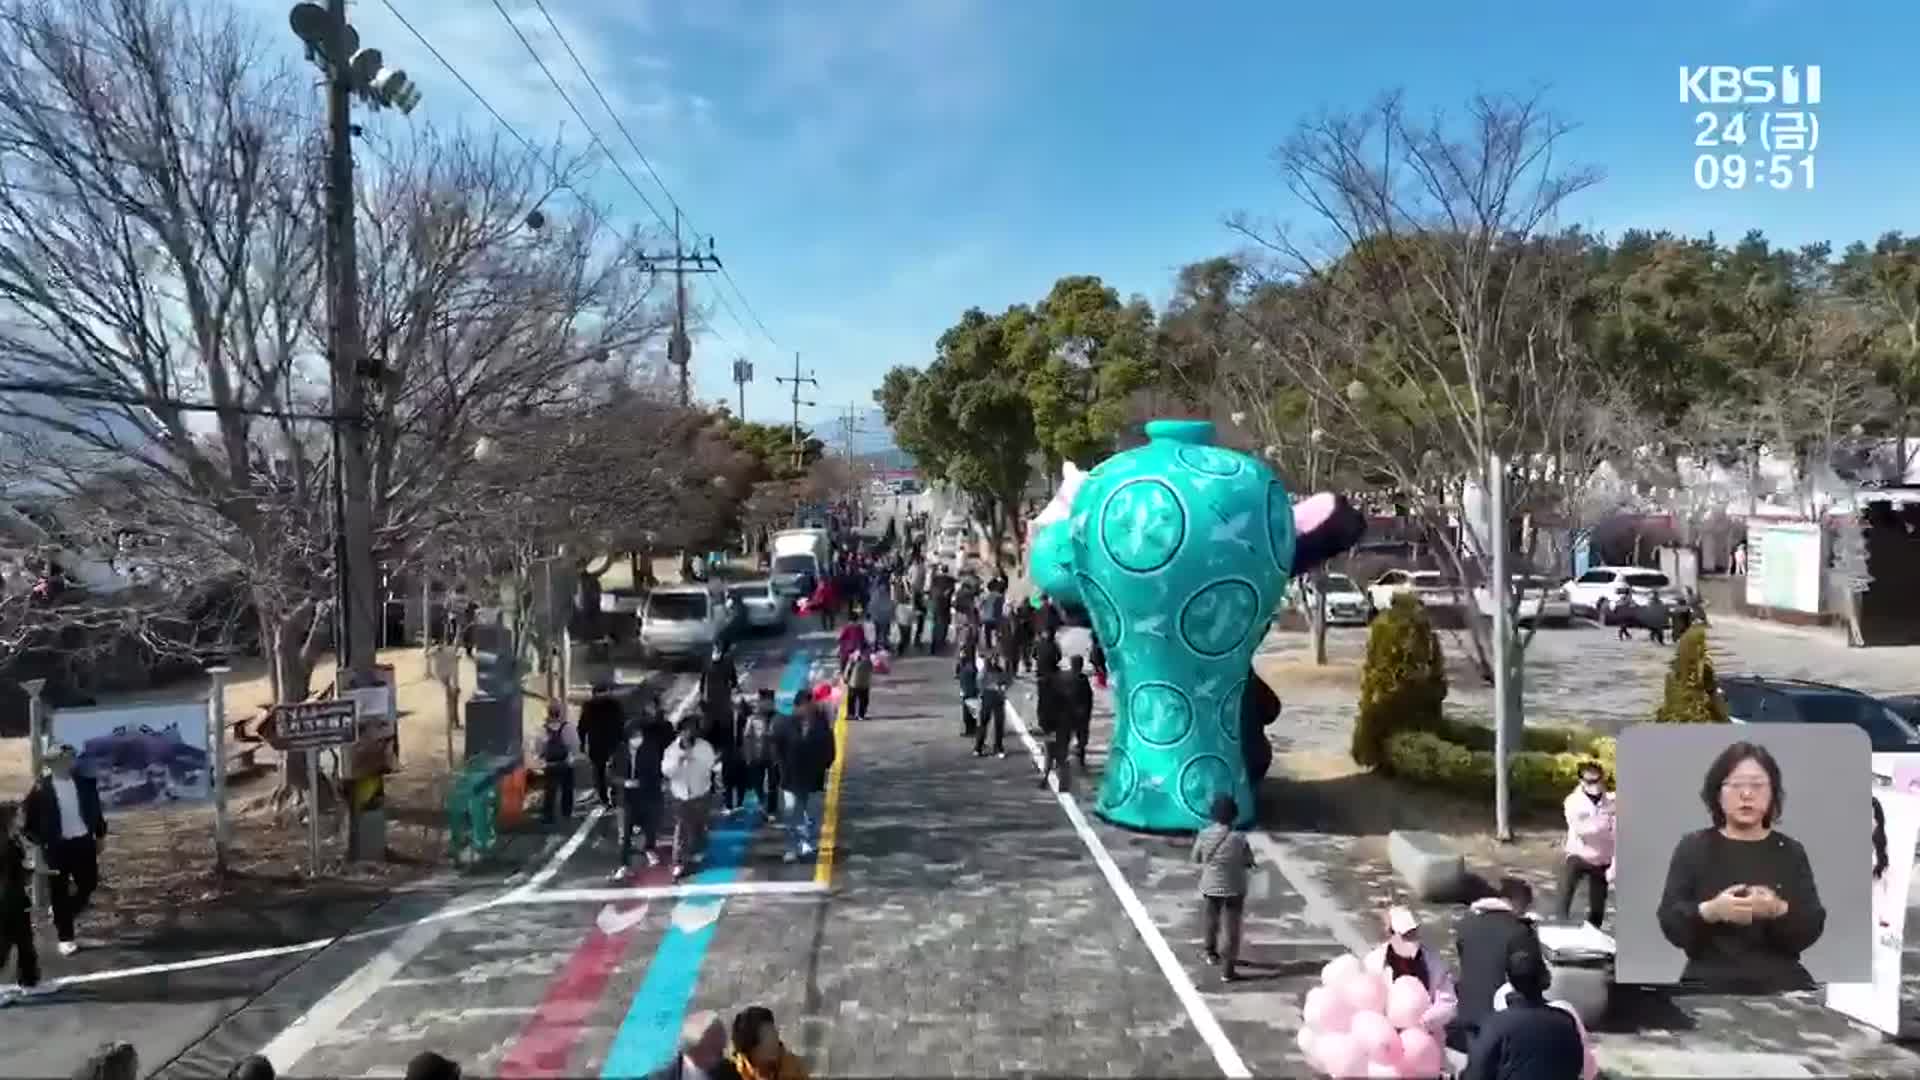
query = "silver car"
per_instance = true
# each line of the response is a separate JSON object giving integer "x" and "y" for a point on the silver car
{"x": 762, "y": 608}
{"x": 680, "y": 624}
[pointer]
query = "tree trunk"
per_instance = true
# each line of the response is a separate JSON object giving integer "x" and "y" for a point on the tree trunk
{"x": 997, "y": 533}
{"x": 270, "y": 644}
{"x": 292, "y": 647}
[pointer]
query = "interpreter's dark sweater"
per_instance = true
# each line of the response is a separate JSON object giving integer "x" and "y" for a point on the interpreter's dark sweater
{"x": 1764, "y": 956}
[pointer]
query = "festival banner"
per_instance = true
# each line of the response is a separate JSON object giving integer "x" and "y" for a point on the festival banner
{"x": 1878, "y": 1002}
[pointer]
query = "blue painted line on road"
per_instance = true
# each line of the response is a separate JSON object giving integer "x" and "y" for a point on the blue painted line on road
{"x": 650, "y": 1035}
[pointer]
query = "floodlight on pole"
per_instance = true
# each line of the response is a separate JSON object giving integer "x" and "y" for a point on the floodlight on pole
{"x": 391, "y": 88}
{"x": 314, "y": 27}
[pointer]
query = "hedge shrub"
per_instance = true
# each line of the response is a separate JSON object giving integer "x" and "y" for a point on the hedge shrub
{"x": 1545, "y": 740}
{"x": 1535, "y": 778}
{"x": 1403, "y": 683}
{"x": 1692, "y": 692}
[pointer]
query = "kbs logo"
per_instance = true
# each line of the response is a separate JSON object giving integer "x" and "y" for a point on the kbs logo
{"x": 1728, "y": 85}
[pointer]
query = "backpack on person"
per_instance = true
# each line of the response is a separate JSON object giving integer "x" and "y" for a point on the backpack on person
{"x": 555, "y": 751}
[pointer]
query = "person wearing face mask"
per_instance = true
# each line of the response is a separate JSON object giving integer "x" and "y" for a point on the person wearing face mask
{"x": 1404, "y": 953}
{"x": 1493, "y": 929}
{"x": 1740, "y": 898}
{"x": 688, "y": 765}
{"x": 1591, "y": 822}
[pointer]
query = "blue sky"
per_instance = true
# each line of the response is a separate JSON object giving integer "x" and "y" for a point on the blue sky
{"x": 870, "y": 169}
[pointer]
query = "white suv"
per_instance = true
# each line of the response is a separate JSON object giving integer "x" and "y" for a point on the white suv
{"x": 1430, "y": 587}
{"x": 1601, "y": 589}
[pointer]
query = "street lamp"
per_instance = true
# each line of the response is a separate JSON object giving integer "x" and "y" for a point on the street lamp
{"x": 325, "y": 33}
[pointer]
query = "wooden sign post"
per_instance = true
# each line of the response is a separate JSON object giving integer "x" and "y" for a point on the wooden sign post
{"x": 309, "y": 727}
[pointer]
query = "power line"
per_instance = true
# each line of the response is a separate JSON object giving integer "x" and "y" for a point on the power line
{"x": 526, "y": 143}
{"x": 682, "y": 355}
{"x": 462, "y": 79}
{"x": 621, "y": 126}
{"x": 577, "y": 114}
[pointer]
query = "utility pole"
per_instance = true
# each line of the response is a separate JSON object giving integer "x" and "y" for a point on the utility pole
{"x": 350, "y": 371}
{"x": 849, "y": 427}
{"x": 742, "y": 375}
{"x": 333, "y": 44}
{"x": 683, "y": 262}
{"x": 797, "y": 380}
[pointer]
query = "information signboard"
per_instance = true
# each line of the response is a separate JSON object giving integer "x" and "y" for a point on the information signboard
{"x": 312, "y": 725}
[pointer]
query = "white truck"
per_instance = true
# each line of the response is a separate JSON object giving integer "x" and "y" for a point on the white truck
{"x": 800, "y": 559}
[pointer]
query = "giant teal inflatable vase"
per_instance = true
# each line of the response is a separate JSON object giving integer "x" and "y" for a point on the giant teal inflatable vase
{"x": 1050, "y": 563}
{"x": 1182, "y": 550}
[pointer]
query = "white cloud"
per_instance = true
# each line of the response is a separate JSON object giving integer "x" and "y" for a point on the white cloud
{"x": 845, "y": 75}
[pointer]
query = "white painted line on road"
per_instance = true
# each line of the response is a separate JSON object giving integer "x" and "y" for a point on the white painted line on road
{"x": 299, "y": 1038}
{"x": 194, "y": 964}
{"x": 559, "y": 859}
{"x": 667, "y": 892}
{"x": 1176, "y": 975}
{"x": 1322, "y": 908}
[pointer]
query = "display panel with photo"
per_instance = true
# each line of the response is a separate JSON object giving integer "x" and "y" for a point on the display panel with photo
{"x": 140, "y": 755}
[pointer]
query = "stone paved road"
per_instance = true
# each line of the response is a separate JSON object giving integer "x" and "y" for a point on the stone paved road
{"x": 971, "y": 930}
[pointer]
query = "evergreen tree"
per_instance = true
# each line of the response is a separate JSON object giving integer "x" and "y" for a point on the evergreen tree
{"x": 1692, "y": 693}
{"x": 1403, "y": 684}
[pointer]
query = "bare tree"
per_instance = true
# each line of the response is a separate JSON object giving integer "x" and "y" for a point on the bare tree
{"x": 587, "y": 479}
{"x": 1435, "y": 320}
{"x": 160, "y": 260}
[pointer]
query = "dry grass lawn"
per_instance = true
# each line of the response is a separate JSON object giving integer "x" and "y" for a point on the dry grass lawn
{"x": 1284, "y": 672}
{"x": 159, "y": 864}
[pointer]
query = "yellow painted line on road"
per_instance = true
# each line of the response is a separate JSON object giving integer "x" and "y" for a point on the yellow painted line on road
{"x": 830, "y": 815}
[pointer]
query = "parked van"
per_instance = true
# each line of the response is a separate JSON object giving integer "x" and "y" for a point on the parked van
{"x": 680, "y": 624}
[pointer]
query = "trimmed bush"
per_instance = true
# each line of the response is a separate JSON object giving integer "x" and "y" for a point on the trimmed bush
{"x": 1692, "y": 692}
{"x": 1403, "y": 683}
{"x": 1606, "y": 750}
{"x": 1534, "y": 778}
{"x": 1545, "y": 740}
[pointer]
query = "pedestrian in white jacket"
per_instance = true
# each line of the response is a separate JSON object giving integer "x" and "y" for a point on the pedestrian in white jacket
{"x": 1591, "y": 825}
{"x": 688, "y": 768}
{"x": 1404, "y": 953}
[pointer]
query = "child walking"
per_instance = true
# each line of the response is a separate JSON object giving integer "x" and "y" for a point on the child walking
{"x": 1225, "y": 857}
{"x": 16, "y": 908}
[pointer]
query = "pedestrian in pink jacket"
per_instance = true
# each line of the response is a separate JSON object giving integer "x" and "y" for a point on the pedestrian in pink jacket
{"x": 1591, "y": 822}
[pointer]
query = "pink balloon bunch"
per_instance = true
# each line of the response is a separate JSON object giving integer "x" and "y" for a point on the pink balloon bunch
{"x": 1357, "y": 1024}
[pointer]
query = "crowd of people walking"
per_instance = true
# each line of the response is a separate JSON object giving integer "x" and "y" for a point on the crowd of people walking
{"x": 661, "y": 779}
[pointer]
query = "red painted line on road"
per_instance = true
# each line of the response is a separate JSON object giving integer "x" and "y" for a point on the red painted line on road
{"x": 545, "y": 1047}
